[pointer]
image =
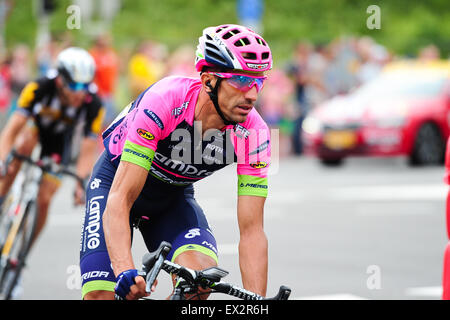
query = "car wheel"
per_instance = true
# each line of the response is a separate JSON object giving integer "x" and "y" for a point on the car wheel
{"x": 331, "y": 162}
{"x": 429, "y": 147}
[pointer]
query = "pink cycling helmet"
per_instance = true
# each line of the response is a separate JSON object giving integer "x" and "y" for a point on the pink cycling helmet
{"x": 234, "y": 47}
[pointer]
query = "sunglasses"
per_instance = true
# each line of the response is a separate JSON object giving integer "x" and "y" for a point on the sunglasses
{"x": 77, "y": 86}
{"x": 241, "y": 81}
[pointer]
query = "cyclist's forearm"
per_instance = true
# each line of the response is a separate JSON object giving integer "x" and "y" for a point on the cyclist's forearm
{"x": 9, "y": 134}
{"x": 253, "y": 261}
{"x": 6, "y": 141}
{"x": 87, "y": 157}
{"x": 126, "y": 187}
{"x": 118, "y": 234}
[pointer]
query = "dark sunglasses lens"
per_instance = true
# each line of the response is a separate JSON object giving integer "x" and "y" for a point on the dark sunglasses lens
{"x": 76, "y": 86}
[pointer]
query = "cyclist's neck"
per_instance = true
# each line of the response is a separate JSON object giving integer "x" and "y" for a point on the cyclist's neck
{"x": 207, "y": 114}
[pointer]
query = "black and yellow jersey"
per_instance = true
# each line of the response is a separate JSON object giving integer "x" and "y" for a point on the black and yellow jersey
{"x": 55, "y": 121}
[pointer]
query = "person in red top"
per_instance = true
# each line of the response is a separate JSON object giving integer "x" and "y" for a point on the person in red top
{"x": 107, "y": 69}
{"x": 5, "y": 85}
{"x": 446, "y": 271}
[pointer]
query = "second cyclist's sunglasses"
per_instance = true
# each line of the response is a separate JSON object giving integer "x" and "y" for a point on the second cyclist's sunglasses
{"x": 77, "y": 86}
{"x": 243, "y": 82}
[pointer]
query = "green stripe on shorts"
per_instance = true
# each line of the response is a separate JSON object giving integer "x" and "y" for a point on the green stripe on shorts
{"x": 195, "y": 247}
{"x": 96, "y": 285}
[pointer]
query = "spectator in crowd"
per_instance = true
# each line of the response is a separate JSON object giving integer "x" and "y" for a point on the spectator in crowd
{"x": 107, "y": 71}
{"x": 373, "y": 56}
{"x": 20, "y": 70}
{"x": 146, "y": 67}
{"x": 298, "y": 72}
{"x": 5, "y": 87}
{"x": 276, "y": 107}
{"x": 180, "y": 62}
{"x": 47, "y": 52}
{"x": 429, "y": 53}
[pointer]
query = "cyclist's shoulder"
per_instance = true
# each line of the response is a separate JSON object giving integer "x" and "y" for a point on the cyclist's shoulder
{"x": 173, "y": 86}
{"x": 170, "y": 93}
{"x": 254, "y": 121}
{"x": 35, "y": 90}
{"x": 44, "y": 84}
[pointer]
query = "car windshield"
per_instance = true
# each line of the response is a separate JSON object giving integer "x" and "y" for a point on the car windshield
{"x": 400, "y": 84}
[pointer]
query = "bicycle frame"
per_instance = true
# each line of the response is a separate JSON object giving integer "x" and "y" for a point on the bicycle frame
{"x": 26, "y": 186}
{"x": 30, "y": 192}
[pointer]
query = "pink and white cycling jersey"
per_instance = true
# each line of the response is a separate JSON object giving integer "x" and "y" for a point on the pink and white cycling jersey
{"x": 157, "y": 131}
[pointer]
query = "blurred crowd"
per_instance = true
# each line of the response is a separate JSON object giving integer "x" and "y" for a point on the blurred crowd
{"x": 315, "y": 73}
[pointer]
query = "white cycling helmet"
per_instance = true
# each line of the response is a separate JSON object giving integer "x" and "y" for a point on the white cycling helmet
{"x": 76, "y": 65}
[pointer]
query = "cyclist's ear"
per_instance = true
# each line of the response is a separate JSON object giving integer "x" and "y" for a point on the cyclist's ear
{"x": 208, "y": 81}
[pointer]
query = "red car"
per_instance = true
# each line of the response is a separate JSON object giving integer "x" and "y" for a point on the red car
{"x": 403, "y": 111}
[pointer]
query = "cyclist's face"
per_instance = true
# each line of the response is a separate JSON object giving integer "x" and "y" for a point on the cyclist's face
{"x": 72, "y": 97}
{"x": 75, "y": 98}
{"x": 236, "y": 103}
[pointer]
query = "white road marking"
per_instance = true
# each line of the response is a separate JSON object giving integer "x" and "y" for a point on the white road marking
{"x": 425, "y": 291}
{"x": 219, "y": 209}
{"x": 418, "y": 192}
{"x": 376, "y": 209}
{"x": 337, "y": 296}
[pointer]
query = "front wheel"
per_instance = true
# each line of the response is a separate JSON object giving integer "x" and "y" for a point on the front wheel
{"x": 14, "y": 253}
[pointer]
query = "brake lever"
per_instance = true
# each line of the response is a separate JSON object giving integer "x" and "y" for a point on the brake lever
{"x": 283, "y": 293}
{"x": 152, "y": 263}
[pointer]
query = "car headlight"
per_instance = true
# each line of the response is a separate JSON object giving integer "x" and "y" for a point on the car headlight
{"x": 312, "y": 125}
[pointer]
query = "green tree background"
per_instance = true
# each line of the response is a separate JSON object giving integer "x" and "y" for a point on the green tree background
{"x": 406, "y": 25}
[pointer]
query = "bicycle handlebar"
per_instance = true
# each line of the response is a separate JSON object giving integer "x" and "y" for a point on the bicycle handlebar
{"x": 44, "y": 165}
{"x": 155, "y": 261}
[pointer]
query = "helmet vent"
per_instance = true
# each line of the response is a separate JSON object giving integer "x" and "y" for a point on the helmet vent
{"x": 249, "y": 55}
{"x": 242, "y": 42}
{"x": 215, "y": 56}
{"x": 221, "y": 28}
{"x": 231, "y": 33}
{"x": 229, "y": 52}
{"x": 265, "y": 55}
{"x": 210, "y": 45}
{"x": 260, "y": 41}
{"x": 208, "y": 37}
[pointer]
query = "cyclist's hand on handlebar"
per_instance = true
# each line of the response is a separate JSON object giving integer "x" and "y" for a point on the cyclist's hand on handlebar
{"x": 130, "y": 285}
{"x": 137, "y": 290}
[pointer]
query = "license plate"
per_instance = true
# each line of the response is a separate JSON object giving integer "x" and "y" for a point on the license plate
{"x": 339, "y": 140}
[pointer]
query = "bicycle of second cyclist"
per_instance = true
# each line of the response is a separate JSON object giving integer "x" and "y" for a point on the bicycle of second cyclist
{"x": 189, "y": 281}
{"x": 18, "y": 216}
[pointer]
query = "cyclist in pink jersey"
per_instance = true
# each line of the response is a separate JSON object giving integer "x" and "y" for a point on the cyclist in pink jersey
{"x": 178, "y": 131}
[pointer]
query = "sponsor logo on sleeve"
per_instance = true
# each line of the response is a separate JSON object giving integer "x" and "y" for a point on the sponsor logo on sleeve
{"x": 145, "y": 134}
{"x": 137, "y": 154}
{"x": 258, "y": 164}
{"x": 155, "y": 118}
{"x": 263, "y": 146}
{"x": 253, "y": 185}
